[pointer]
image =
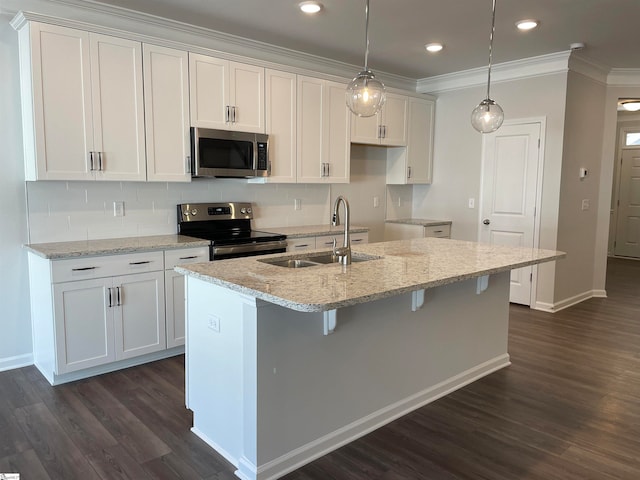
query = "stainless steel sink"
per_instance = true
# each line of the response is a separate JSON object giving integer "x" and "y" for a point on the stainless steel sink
{"x": 313, "y": 260}
{"x": 289, "y": 263}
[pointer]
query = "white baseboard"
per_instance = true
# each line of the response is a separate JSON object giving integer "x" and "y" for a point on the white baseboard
{"x": 19, "y": 361}
{"x": 569, "y": 302}
{"x": 336, "y": 439}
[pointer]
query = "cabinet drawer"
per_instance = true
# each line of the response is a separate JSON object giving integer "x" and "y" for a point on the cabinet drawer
{"x": 72, "y": 269}
{"x": 441, "y": 231}
{"x": 359, "y": 238}
{"x": 184, "y": 256}
{"x": 300, "y": 244}
{"x": 326, "y": 241}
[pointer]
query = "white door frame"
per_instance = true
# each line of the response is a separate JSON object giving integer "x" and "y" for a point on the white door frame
{"x": 620, "y": 148}
{"x": 539, "y": 186}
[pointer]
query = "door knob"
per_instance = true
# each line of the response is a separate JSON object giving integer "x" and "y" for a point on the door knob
{"x": 486, "y": 221}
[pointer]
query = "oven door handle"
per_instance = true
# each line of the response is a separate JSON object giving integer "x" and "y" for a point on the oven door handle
{"x": 250, "y": 247}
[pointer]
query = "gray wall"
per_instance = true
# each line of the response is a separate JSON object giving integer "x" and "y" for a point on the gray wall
{"x": 15, "y": 328}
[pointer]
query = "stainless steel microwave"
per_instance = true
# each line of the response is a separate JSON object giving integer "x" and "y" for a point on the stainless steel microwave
{"x": 222, "y": 153}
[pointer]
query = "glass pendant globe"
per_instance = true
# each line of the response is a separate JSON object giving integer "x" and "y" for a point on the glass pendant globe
{"x": 487, "y": 117}
{"x": 365, "y": 94}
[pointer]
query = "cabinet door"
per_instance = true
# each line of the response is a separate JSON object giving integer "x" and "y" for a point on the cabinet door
{"x": 118, "y": 107}
{"x": 336, "y": 134}
{"x": 420, "y": 140}
{"x": 394, "y": 120}
{"x": 83, "y": 325}
{"x": 56, "y": 102}
{"x": 175, "y": 308}
{"x": 175, "y": 293}
{"x": 139, "y": 318}
{"x": 166, "y": 109}
{"x": 310, "y": 124}
{"x": 365, "y": 129}
{"x": 246, "y": 87}
{"x": 281, "y": 125}
{"x": 208, "y": 91}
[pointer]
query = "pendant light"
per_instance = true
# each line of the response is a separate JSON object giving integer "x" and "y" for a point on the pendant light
{"x": 488, "y": 116}
{"x": 365, "y": 93}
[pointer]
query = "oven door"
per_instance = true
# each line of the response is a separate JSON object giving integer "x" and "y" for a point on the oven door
{"x": 247, "y": 250}
{"x": 218, "y": 153}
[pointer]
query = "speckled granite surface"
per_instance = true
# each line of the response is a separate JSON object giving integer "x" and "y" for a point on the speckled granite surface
{"x": 405, "y": 266}
{"x": 114, "y": 246}
{"x": 420, "y": 221}
{"x": 312, "y": 230}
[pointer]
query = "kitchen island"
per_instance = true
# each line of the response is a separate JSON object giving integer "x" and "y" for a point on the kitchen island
{"x": 286, "y": 364}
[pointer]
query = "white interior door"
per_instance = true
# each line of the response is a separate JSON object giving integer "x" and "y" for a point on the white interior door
{"x": 509, "y": 180}
{"x": 628, "y": 226}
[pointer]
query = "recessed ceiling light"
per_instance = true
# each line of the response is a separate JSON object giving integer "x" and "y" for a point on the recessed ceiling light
{"x": 310, "y": 7}
{"x": 434, "y": 47}
{"x": 528, "y": 24}
{"x": 631, "y": 105}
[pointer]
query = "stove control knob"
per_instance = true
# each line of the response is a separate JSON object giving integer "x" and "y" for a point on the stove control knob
{"x": 243, "y": 211}
{"x": 249, "y": 210}
{"x": 194, "y": 211}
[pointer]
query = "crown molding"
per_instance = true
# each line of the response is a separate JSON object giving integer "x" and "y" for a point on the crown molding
{"x": 624, "y": 77}
{"x": 113, "y": 20}
{"x": 589, "y": 68}
{"x": 502, "y": 72}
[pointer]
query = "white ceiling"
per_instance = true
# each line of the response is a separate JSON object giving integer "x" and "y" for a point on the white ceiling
{"x": 399, "y": 29}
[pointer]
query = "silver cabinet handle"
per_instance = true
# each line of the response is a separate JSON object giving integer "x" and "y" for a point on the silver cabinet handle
{"x": 486, "y": 221}
{"x": 110, "y": 294}
{"x": 91, "y": 163}
{"x": 189, "y": 257}
{"x": 384, "y": 131}
{"x": 100, "y": 162}
{"x": 118, "y": 296}
{"x": 356, "y": 240}
{"x": 140, "y": 263}
{"x": 302, "y": 245}
{"x": 187, "y": 164}
{"x": 379, "y": 131}
{"x": 328, "y": 169}
{"x": 227, "y": 116}
{"x": 409, "y": 172}
{"x": 82, "y": 269}
{"x": 233, "y": 118}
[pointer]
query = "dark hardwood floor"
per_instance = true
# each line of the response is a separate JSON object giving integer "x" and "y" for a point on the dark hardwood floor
{"x": 567, "y": 408}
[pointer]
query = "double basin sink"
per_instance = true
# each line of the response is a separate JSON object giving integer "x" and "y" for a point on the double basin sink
{"x": 313, "y": 260}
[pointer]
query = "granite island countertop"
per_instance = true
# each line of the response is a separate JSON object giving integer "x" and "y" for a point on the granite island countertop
{"x": 403, "y": 266}
{"x": 113, "y": 246}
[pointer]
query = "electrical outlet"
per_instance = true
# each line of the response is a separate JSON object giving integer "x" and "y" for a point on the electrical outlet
{"x": 585, "y": 204}
{"x": 376, "y": 201}
{"x": 472, "y": 203}
{"x": 118, "y": 209}
{"x": 213, "y": 323}
{"x": 297, "y": 204}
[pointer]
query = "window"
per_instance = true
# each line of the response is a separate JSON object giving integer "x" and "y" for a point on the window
{"x": 632, "y": 139}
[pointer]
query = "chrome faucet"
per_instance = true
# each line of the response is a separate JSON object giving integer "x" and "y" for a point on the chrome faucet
{"x": 342, "y": 253}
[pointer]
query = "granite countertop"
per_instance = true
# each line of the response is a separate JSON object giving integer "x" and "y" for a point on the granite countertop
{"x": 403, "y": 266}
{"x": 113, "y": 246}
{"x": 420, "y": 221}
{"x": 312, "y": 230}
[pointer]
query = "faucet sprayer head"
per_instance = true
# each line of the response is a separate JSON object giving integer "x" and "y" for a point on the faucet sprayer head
{"x": 336, "y": 219}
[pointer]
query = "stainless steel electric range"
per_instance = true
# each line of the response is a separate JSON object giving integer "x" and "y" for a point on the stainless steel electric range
{"x": 228, "y": 227}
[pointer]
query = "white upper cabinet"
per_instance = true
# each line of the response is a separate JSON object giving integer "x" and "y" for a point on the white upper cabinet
{"x": 413, "y": 164}
{"x": 323, "y": 132}
{"x": 118, "y": 108}
{"x": 281, "y": 113}
{"x": 82, "y": 105}
{"x": 166, "y": 109}
{"x": 226, "y": 95}
{"x": 388, "y": 127}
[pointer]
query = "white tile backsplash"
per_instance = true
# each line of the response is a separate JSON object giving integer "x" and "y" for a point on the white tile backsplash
{"x": 66, "y": 211}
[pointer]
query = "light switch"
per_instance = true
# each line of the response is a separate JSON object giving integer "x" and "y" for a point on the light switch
{"x": 118, "y": 209}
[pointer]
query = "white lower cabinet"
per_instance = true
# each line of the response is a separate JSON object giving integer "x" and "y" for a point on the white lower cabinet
{"x": 175, "y": 292}
{"x": 405, "y": 231}
{"x": 300, "y": 244}
{"x": 89, "y": 312}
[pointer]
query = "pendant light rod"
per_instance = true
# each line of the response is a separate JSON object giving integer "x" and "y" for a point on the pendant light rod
{"x": 493, "y": 29}
{"x": 366, "y": 36}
